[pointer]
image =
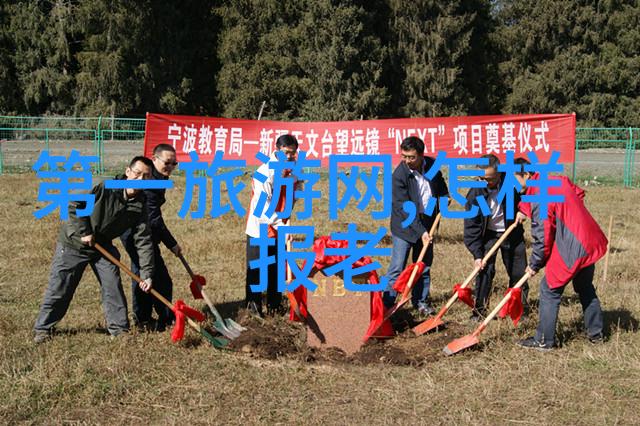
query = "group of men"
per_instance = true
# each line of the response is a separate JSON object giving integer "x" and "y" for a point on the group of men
{"x": 567, "y": 243}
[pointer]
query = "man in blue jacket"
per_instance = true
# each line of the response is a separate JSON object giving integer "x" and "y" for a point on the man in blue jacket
{"x": 410, "y": 184}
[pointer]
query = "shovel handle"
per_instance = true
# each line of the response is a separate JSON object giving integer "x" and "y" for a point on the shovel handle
{"x": 212, "y": 308}
{"x": 490, "y": 253}
{"x": 186, "y": 265}
{"x": 432, "y": 232}
{"x": 155, "y": 294}
{"x": 292, "y": 300}
{"x": 289, "y": 272}
{"x": 499, "y": 306}
{"x": 121, "y": 265}
{"x": 476, "y": 270}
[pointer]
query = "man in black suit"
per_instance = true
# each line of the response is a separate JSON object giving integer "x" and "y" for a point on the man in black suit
{"x": 482, "y": 232}
{"x": 164, "y": 163}
{"x": 410, "y": 184}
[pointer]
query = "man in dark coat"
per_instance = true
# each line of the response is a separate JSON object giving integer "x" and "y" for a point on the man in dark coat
{"x": 482, "y": 232}
{"x": 410, "y": 184}
{"x": 114, "y": 211}
{"x": 164, "y": 162}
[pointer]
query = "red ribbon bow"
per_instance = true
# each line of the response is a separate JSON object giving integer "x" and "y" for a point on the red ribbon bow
{"x": 513, "y": 307}
{"x": 464, "y": 294}
{"x": 402, "y": 282}
{"x": 182, "y": 310}
{"x": 198, "y": 280}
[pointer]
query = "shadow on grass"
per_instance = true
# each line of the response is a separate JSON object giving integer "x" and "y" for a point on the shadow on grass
{"x": 621, "y": 319}
{"x": 80, "y": 330}
{"x": 230, "y": 309}
{"x": 615, "y": 319}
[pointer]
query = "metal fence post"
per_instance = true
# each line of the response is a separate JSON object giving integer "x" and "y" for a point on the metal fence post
{"x": 627, "y": 159}
{"x": 632, "y": 162}
{"x": 98, "y": 146}
{"x": 575, "y": 158}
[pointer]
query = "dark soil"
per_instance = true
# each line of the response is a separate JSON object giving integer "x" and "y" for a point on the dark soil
{"x": 277, "y": 337}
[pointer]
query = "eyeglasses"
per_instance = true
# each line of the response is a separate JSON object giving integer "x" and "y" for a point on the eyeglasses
{"x": 139, "y": 173}
{"x": 168, "y": 162}
{"x": 409, "y": 157}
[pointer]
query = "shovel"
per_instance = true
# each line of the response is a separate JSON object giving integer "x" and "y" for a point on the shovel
{"x": 292, "y": 300}
{"x": 217, "y": 342}
{"x": 228, "y": 328}
{"x": 470, "y": 340}
{"x": 406, "y": 295}
{"x": 435, "y": 322}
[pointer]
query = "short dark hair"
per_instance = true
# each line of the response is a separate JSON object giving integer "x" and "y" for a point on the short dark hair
{"x": 494, "y": 162}
{"x": 162, "y": 148}
{"x": 288, "y": 141}
{"x": 521, "y": 161}
{"x": 412, "y": 143}
{"x": 144, "y": 160}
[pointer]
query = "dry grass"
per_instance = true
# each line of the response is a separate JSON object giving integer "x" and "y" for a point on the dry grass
{"x": 84, "y": 377}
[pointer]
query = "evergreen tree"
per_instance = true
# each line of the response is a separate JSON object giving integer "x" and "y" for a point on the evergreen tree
{"x": 258, "y": 54}
{"x": 42, "y": 35}
{"x": 345, "y": 62}
{"x": 567, "y": 56}
{"x": 311, "y": 60}
{"x": 8, "y": 82}
{"x": 442, "y": 56}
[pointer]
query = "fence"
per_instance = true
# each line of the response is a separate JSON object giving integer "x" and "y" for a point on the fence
{"x": 603, "y": 155}
{"x": 113, "y": 140}
{"x": 606, "y": 156}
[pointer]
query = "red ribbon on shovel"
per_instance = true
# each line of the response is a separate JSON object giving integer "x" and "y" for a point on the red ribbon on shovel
{"x": 513, "y": 307}
{"x": 464, "y": 294}
{"x": 197, "y": 282}
{"x": 403, "y": 280}
{"x": 181, "y": 310}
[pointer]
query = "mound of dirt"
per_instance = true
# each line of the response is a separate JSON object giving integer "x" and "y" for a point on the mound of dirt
{"x": 277, "y": 337}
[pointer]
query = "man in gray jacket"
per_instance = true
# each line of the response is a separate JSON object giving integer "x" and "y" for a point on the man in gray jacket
{"x": 114, "y": 211}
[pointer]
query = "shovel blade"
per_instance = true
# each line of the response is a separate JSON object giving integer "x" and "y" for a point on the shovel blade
{"x": 460, "y": 344}
{"x": 216, "y": 342}
{"x": 231, "y": 324}
{"x": 222, "y": 329}
{"x": 427, "y": 325}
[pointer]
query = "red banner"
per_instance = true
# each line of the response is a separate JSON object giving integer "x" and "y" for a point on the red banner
{"x": 468, "y": 136}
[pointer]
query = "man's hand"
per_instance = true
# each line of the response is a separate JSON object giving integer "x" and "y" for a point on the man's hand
{"x": 145, "y": 285}
{"x": 521, "y": 217}
{"x": 177, "y": 250}
{"x": 89, "y": 240}
{"x": 478, "y": 263}
{"x": 530, "y": 271}
{"x": 426, "y": 238}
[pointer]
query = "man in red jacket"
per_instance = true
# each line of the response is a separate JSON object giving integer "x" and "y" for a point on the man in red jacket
{"x": 568, "y": 243}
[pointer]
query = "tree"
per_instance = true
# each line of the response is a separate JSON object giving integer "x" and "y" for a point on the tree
{"x": 345, "y": 62}
{"x": 441, "y": 57}
{"x": 566, "y": 56}
{"x": 313, "y": 60}
{"x": 42, "y": 36}
{"x": 8, "y": 81}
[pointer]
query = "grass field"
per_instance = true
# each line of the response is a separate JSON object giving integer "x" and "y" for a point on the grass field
{"x": 82, "y": 376}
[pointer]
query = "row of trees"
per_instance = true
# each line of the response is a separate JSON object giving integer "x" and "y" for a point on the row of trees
{"x": 322, "y": 59}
